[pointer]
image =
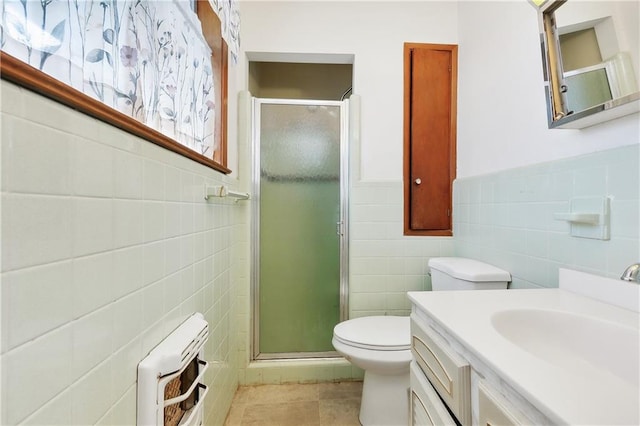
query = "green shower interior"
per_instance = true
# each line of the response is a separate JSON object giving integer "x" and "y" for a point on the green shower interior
{"x": 299, "y": 283}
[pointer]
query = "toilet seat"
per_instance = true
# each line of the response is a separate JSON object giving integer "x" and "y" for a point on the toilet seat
{"x": 379, "y": 333}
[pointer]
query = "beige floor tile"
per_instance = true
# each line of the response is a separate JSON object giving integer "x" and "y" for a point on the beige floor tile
{"x": 339, "y": 412}
{"x": 340, "y": 390}
{"x": 242, "y": 395}
{"x": 282, "y": 414}
{"x": 234, "y": 418}
{"x": 269, "y": 394}
{"x": 327, "y": 404}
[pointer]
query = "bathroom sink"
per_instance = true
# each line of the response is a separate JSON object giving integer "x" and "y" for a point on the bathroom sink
{"x": 573, "y": 341}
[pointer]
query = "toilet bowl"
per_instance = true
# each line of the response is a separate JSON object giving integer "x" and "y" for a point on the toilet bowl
{"x": 380, "y": 345}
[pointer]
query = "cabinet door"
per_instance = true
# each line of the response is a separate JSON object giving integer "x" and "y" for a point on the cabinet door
{"x": 430, "y": 137}
{"x": 448, "y": 372}
{"x": 426, "y": 407}
{"x": 493, "y": 410}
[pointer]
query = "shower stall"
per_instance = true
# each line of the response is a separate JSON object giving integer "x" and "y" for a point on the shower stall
{"x": 299, "y": 226}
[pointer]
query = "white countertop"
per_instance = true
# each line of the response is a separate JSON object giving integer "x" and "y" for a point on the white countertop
{"x": 580, "y": 394}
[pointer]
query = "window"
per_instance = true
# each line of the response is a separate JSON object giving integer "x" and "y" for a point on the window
{"x": 150, "y": 68}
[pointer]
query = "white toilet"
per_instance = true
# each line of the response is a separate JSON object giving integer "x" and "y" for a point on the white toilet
{"x": 459, "y": 273}
{"x": 381, "y": 345}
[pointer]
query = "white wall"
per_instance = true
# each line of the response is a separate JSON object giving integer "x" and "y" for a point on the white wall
{"x": 384, "y": 264}
{"x": 373, "y": 31}
{"x": 501, "y": 107}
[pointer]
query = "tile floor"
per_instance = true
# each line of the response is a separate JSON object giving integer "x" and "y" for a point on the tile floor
{"x": 324, "y": 404}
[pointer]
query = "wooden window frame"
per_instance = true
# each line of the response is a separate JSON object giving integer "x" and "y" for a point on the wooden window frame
{"x": 408, "y": 47}
{"x": 212, "y": 31}
{"x": 22, "y": 74}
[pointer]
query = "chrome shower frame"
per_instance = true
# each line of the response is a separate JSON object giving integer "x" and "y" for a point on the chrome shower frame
{"x": 343, "y": 225}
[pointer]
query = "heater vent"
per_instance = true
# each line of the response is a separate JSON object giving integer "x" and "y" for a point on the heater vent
{"x": 171, "y": 391}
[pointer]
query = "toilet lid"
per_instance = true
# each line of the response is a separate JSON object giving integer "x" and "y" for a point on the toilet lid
{"x": 386, "y": 333}
{"x": 468, "y": 269}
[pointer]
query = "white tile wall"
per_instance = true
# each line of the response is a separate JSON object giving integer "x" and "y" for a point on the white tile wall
{"x": 107, "y": 245}
{"x": 507, "y": 218}
{"x": 35, "y": 301}
{"x": 384, "y": 264}
{"x": 35, "y": 238}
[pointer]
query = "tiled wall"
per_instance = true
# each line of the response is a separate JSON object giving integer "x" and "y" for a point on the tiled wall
{"x": 107, "y": 246}
{"x": 384, "y": 264}
{"x": 507, "y": 218}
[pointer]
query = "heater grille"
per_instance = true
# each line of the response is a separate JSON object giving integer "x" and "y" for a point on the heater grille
{"x": 171, "y": 391}
{"x": 172, "y": 413}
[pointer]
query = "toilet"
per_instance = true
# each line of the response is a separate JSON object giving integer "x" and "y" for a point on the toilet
{"x": 381, "y": 345}
{"x": 459, "y": 273}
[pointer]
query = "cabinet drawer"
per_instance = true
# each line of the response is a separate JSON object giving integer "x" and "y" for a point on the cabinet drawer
{"x": 494, "y": 410}
{"x": 426, "y": 407}
{"x": 448, "y": 372}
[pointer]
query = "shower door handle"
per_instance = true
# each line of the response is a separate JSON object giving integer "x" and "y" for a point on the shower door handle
{"x": 339, "y": 228}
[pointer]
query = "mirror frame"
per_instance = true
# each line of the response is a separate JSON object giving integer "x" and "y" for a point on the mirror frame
{"x": 558, "y": 115}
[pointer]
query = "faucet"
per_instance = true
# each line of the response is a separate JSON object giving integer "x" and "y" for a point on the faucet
{"x": 632, "y": 273}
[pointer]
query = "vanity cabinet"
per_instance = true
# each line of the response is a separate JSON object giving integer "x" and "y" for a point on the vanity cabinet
{"x": 494, "y": 410}
{"x": 449, "y": 386}
{"x": 522, "y": 367}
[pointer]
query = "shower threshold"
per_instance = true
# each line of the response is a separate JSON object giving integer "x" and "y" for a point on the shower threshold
{"x": 294, "y": 356}
{"x": 306, "y": 370}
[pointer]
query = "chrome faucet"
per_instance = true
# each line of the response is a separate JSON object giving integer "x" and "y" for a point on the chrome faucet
{"x": 632, "y": 273}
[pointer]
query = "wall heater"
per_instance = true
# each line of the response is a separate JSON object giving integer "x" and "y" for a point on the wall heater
{"x": 171, "y": 391}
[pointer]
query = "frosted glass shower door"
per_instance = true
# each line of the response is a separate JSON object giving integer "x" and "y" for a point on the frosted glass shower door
{"x": 299, "y": 186}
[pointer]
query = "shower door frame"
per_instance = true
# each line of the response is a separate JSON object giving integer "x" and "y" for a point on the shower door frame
{"x": 342, "y": 227}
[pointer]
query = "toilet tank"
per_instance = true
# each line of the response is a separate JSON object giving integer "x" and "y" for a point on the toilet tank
{"x": 459, "y": 273}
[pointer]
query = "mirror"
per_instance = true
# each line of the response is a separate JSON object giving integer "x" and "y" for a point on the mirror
{"x": 590, "y": 53}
